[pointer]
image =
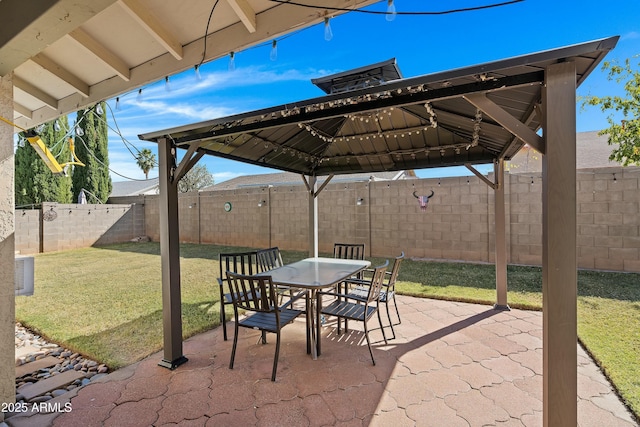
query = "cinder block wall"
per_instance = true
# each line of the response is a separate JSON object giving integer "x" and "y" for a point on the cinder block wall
{"x": 458, "y": 223}
{"x": 69, "y": 226}
{"x": 28, "y": 231}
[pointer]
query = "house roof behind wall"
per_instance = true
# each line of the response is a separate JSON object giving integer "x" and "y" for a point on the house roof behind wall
{"x": 135, "y": 188}
{"x": 289, "y": 178}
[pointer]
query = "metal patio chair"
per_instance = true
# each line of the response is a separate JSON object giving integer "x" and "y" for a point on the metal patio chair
{"x": 257, "y": 297}
{"x": 387, "y": 293}
{"x": 238, "y": 262}
{"x": 353, "y": 307}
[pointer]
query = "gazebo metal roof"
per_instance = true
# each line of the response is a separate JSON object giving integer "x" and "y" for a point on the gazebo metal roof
{"x": 463, "y": 116}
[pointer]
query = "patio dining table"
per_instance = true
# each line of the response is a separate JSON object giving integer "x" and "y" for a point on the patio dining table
{"x": 313, "y": 274}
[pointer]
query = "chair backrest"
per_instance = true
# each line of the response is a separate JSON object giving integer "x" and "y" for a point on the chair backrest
{"x": 252, "y": 293}
{"x": 348, "y": 250}
{"x": 268, "y": 259}
{"x": 238, "y": 262}
{"x": 394, "y": 271}
{"x": 377, "y": 281}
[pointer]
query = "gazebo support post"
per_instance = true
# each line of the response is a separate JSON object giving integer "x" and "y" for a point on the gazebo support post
{"x": 311, "y": 182}
{"x": 500, "y": 233}
{"x": 170, "y": 254}
{"x": 559, "y": 255}
{"x": 500, "y": 237}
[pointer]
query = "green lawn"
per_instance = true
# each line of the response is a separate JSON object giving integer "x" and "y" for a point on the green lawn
{"x": 106, "y": 302}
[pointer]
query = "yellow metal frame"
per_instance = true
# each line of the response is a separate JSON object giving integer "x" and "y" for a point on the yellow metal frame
{"x": 47, "y": 157}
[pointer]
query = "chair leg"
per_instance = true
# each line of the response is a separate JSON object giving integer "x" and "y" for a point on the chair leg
{"x": 396, "y": 305}
{"x": 233, "y": 350}
{"x": 393, "y": 332}
{"x": 381, "y": 327}
{"x": 275, "y": 359}
{"x": 223, "y": 319}
{"x": 366, "y": 335}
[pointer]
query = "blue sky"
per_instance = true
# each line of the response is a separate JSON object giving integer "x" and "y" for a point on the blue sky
{"x": 420, "y": 44}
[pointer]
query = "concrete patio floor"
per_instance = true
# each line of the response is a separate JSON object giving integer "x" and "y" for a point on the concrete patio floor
{"x": 451, "y": 364}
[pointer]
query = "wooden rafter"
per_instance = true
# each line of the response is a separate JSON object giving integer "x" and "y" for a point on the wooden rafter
{"x": 153, "y": 27}
{"x": 62, "y": 73}
{"x": 109, "y": 58}
{"x": 37, "y": 93}
{"x": 245, "y": 12}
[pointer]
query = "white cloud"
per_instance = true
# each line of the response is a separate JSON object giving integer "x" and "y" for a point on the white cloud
{"x": 630, "y": 36}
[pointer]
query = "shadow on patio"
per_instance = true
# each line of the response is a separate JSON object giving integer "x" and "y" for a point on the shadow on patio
{"x": 452, "y": 364}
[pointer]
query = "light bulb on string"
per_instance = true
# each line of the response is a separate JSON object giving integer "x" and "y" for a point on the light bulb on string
{"x": 328, "y": 34}
{"x": 99, "y": 109}
{"x": 139, "y": 97}
{"x": 167, "y": 85}
{"x": 79, "y": 131}
{"x": 56, "y": 126}
{"x": 391, "y": 11}
{"x": 196, "y": 68}
{"x": 274, "y": 51}
{"x": 232, "y": 61}
{"x": 118, "y": 104}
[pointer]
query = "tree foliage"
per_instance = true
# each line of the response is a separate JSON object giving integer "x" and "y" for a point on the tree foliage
{"x": 34, "y": 181}
{"x": 146, "y": 160}
{"x": 624, "y": 134}
{"x": 197, "y": 178}
{"x": 91, "y": 140}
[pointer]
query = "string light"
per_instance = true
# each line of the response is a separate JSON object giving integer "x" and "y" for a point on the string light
{"x": 391, "y": 11}
{"x": 433, "y": 119}
{"x": 274, "y": 50}
{"x": 476, "y": 129}
{"x": 118, "y": 103}
{"x": 167, "y": 85}
{"x": 196, "y": 69}
{"x": 328, "y": 34}
{"x": 139, "y": 97}
{"x": 99, "y": 109}
{"x": 232, "y": 61}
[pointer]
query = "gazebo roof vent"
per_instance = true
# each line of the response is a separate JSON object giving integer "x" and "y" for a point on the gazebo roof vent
{"x": 359, "y": 78}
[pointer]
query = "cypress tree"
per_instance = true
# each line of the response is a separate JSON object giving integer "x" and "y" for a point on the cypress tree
{"x": 91, "y": 141}
{"x": 34, "y": 181}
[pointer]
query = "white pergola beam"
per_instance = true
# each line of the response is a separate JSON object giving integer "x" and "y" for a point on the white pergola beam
{"x": 559, "y": 253}
{"x": 151, "y": 24}
{"x": 506, "y": 120}
{"x": 245, "y": 12}
{"x": 62, "y": 73}
{"x": 37, "y": 93}
{"x": 109, "y": 58}
{"x": 22, "y": 110}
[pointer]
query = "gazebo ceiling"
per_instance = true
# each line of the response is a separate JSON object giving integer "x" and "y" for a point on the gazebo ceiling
{"x": 463, "y": 116}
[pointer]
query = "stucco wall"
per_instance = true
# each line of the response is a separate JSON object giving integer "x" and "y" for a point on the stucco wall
{"x": 7, "y": 245}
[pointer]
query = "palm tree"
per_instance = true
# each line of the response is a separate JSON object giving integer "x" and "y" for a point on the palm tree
{"x": 146, "y": 160}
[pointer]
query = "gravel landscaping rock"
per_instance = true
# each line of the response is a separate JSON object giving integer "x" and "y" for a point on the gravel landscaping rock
{"x": 31, "y": 347}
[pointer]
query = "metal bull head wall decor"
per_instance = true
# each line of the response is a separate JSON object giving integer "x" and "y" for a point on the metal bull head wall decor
{"x": 424, "y": 200}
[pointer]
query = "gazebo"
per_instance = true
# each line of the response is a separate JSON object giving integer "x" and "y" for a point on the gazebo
{"x": 468, "y": 116}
